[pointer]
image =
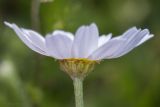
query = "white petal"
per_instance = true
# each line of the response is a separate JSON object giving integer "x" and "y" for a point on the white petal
{"x": 129, "y": 32}
{"x": 107, "y": 49}
{"x": 103, "y": 39}
{"x": 130, "y": 44}
{"x": 60, "y": 32}
{"x": 27, "y": 39}
{"x": 59, "y": 46}
{"x": 36, "y": 38}
{"x": 85, "y": 41}
{"x": 147, "y": 37}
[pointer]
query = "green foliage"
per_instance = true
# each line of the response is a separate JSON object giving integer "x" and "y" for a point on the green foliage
{"x": 36, "y": 81}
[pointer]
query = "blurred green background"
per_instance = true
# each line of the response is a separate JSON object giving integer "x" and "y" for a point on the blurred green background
{"x": 28, "y": 79}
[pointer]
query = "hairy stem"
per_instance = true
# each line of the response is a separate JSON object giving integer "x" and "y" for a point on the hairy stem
{"x": 78, "y": 91}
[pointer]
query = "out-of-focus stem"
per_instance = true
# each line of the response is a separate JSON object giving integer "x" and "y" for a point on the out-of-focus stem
{"x": 78, "y": 91}
{"x": 35, "y": 22}
{"x": 35, "y": 7}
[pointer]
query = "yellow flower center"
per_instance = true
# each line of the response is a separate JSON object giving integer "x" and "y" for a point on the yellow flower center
{"x": 77, "y": 67}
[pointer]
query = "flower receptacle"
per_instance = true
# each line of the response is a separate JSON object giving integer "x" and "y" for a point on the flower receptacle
{"x": 77, "y": 68}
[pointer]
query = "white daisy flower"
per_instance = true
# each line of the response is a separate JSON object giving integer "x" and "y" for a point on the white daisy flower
{"x": 85, "y": 46}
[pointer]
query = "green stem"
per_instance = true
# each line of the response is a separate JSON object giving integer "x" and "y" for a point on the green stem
{"x": 78, "y": 91}
{"x": 35, "y": 22}
{"x": 35, "y": 8}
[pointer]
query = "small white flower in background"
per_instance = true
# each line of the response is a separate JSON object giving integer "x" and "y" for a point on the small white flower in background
{"x": 85, "y": 45}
